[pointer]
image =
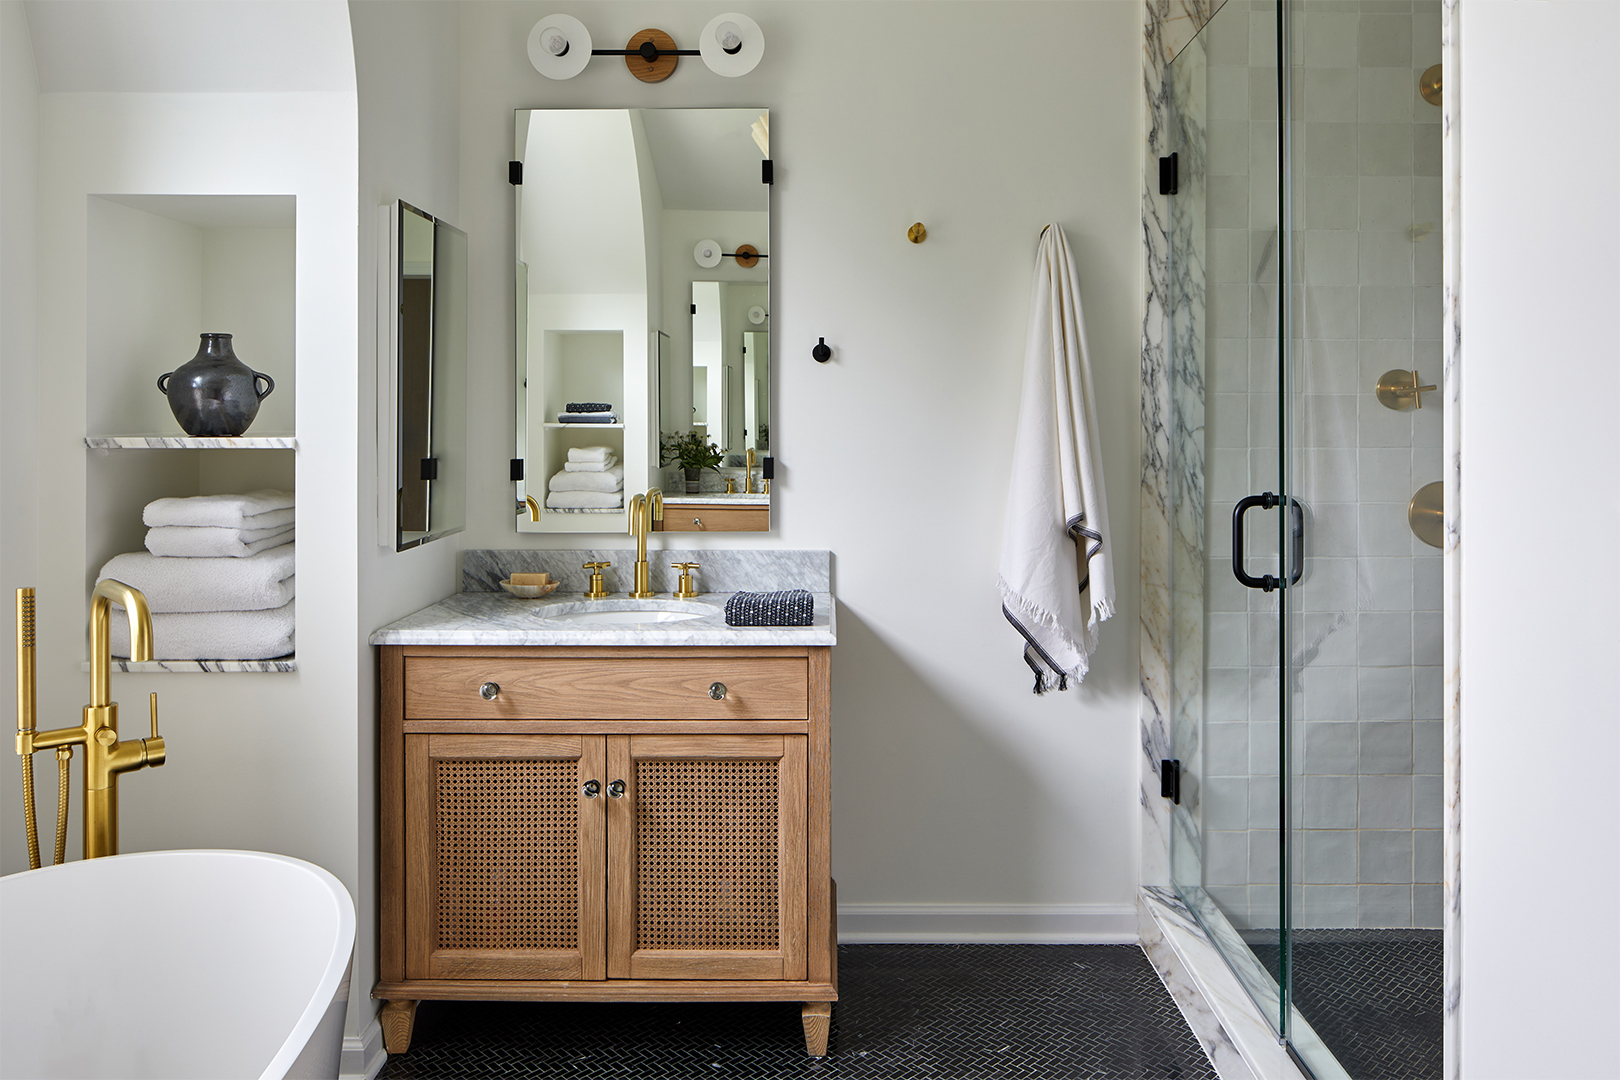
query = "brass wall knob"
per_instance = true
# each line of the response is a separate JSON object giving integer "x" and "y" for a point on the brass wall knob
{"x": 717, "y": 691}
{"x": 489, "y": 691}
{"x": 616, "y": 789}
{"x": 593, "y": 788}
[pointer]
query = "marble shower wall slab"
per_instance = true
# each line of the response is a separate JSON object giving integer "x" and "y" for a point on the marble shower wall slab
{"x": 759, "y": 569}
{"x": 1168, "y": 25}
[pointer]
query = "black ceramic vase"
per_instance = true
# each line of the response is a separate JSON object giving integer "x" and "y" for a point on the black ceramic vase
{"x": 214, "y": 393}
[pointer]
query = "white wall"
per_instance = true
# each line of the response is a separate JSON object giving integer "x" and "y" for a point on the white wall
{"x": 1539, "y": 515}
{"x": 405, "y": 58}
{"x": 18, "y": 376}
{"x": 953, "y": 785}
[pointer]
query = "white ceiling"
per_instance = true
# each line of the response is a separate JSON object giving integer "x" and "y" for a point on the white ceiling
{"x": 216, "y": 211}
{"x": 189, "y": 46}
{"x": 706, "y": 159}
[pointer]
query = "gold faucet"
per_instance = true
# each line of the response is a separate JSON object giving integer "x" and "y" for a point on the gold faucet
{"x": 105, "y": 756}
{"x": 748, "y": 473}
{"x": 644, "y": 510}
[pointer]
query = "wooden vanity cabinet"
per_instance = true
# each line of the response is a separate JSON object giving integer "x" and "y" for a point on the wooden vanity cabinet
{"x": 609, "y": 824}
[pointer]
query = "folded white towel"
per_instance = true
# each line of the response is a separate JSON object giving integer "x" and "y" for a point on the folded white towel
{"x": 215, "y": 635}
{"x": 591, "y": 466}
{"x": 204, "y": 542}
{"x": 264, "y": 509}
{"x": 605, "y": 500}
{"x": 255, "y": 583}
{"x": 611, "y": 480}
{"x": 590, "y": 453}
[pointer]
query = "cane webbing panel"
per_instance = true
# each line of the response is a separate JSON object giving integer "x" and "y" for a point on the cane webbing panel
{"x": 508, "y": 847}
{"x": 706, "y": 836}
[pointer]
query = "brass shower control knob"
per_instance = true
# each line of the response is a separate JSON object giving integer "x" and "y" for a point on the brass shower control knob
{"x": 490, "y": 691}
{"x": 1399, "y": 390}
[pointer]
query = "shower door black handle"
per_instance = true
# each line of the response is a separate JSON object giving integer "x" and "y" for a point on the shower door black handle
{"x": 1266, "y": 501}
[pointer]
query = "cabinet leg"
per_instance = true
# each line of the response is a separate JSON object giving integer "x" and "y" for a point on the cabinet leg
{"x": 817, "y": 1026}
{"x": 397, "y": 1019}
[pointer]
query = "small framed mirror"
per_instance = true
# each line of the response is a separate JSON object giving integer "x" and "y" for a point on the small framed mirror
{"x": 422, "y": 381}
{"x": 642, "y": 290}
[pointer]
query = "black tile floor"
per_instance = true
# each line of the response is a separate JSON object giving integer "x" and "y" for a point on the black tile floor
{"x": 941, "y": 1012}
{"x": 1373, "y": 996}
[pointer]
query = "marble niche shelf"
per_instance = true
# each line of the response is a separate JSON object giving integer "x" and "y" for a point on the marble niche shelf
{"x": 280, "y": 664}
{"x": 187, "y": 442}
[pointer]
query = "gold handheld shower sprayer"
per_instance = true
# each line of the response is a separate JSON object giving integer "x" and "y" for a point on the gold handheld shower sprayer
{"x": 105, "y": 755}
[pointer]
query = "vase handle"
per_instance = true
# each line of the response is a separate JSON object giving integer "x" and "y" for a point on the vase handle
{"x": 163, "y": 383}
{"x": 270, "y": 384}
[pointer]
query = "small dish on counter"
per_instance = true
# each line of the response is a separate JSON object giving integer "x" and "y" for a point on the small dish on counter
{"x": 529, "y": 592}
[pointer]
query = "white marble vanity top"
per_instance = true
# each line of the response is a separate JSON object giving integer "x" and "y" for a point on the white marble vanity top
{"x": 718, "y": 498}
{"x": 484, "y": 618}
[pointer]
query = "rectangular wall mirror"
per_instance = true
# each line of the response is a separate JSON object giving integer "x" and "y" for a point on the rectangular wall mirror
{"x": 422, "y": 386}
{"x": 642, "y": 289}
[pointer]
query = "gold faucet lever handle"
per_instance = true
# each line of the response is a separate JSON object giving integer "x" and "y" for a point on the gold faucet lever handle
{"x": 594, "y": 566}
{"x": 686, "y": 565}
{"x": 156, "y": 750}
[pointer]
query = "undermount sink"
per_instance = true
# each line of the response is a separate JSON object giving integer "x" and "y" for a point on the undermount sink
{"x": 628, "y": 612}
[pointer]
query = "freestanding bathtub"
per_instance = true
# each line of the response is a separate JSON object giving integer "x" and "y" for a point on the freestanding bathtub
{"x": 174, "y": 964}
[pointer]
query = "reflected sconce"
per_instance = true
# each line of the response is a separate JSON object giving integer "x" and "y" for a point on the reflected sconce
{"x": 732, "y": 45}
{"x": 707, "y": 254}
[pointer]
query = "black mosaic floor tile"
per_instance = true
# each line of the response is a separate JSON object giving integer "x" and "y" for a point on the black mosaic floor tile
{"x": 1373, "y": 996}
{"x": 929, "y": 1012}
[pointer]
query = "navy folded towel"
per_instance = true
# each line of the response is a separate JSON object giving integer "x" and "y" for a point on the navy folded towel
{"x": 589, "y": 406}
{"x": 790, "y": 607}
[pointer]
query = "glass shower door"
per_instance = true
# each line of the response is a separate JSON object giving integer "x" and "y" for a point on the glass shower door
{"x": 1227, "y": 851}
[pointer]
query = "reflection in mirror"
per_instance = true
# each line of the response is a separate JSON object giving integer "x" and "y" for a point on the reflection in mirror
{"x": 730, "y": 364}
{"x": 430, "y": 380}
{"x": 624, "y": 331}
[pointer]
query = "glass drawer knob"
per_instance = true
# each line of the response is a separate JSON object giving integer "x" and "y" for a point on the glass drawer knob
{"x": 717, "y": 691}
{"x": 489, "y": 691}
{"x": 616, "y": 789}
{"x": 593, "y": 788}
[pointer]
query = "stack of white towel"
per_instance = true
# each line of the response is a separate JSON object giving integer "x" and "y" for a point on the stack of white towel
{"x": 218, "y": 574}
{"x": 592, "y": 479}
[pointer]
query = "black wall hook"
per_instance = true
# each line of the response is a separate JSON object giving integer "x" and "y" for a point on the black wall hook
{"x": 822, "y": 352}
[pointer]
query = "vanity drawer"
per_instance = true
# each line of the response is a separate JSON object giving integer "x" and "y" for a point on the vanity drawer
{"x": 678, "y": 688}
{"x": 715, "y": 519}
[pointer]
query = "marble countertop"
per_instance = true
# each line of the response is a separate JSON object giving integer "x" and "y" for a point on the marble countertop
{"x": 483, "y": 618}
{"x": 717, "y": 498}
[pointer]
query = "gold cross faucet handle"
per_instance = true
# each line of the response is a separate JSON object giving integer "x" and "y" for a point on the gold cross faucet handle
{"x": 685, "y": 589}
{"x": 598, "y": 589}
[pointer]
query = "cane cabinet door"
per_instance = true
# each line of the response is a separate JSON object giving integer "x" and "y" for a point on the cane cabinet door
{"x": 505, "y": 847}
{"x": 706, "y": 856}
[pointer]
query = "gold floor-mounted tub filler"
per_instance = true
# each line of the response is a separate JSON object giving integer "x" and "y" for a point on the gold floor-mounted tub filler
{"x": 105, "y": 755}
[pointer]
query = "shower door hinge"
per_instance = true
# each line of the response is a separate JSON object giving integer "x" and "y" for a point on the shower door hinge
{"x": 514, "y": 172}
{"x": 1170, "y": 780}
{"x": 1169, "y": 175}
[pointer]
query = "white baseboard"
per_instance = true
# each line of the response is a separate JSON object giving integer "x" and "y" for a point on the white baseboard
{"x": 1083, "y": 924}
{"x": 363, "y": 1054}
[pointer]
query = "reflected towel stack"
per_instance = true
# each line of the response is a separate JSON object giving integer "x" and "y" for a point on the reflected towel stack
{"x": 588, "y": 412}
{"x": 591, "y": 479}
{"x": 219, "y": 576}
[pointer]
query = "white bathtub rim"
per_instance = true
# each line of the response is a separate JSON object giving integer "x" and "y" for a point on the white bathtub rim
{"x": 337, "y": 964}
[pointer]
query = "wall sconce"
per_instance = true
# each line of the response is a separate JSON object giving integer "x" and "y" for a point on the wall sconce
{"x": 707, "y": 254}
{"x": 732, "y": 45}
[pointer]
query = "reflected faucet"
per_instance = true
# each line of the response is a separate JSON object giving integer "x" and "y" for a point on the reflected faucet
{"x": 105, "y": 756}
{"x": 644, "y": 510}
